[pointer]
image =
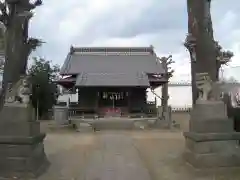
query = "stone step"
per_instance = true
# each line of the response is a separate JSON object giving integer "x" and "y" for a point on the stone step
{"x": 113, "y": 124}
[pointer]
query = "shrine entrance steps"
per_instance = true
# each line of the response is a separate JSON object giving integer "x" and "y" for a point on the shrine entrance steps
{"x": 113, "y": 123}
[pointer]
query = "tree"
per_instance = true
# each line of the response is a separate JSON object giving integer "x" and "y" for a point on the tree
{"x": 190, "y": 44}
{"x": 166, "y": 62}
{"x": 44, "y": 90}
{"x": 200, "y": 42}
{"x": 15, "y": 16}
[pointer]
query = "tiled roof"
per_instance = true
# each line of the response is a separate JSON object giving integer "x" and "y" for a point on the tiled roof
{"x": 112, "y": 79}
{"x": 112, "y": 66}
{"x": 111, "y": 60}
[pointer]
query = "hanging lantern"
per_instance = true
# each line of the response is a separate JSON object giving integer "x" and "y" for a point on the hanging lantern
{"x": 104, "y": 95}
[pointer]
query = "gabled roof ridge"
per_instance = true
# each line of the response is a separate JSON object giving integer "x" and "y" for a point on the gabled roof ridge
{"x": 149, "y": 49}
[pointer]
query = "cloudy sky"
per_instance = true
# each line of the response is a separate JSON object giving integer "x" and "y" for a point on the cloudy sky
{"x": 161, "y": 23}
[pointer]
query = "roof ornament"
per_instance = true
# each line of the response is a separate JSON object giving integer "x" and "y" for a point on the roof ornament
{"x": 71, "y": 49}
{"x": 152, "y": 49}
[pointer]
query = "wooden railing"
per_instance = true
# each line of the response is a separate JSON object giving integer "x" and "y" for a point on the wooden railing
{"x": 84, "y": 112}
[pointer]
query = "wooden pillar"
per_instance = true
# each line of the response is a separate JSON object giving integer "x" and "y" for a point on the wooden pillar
{"x": 79, "y": 96}
{"x": 129, "y": 99}
{"x": 145, "y": 100}
{"x": 97, "y": 101}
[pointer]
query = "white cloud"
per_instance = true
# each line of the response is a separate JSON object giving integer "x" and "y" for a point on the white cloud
{"x": 227, "y": 23}
{"x": 161, "y": 23}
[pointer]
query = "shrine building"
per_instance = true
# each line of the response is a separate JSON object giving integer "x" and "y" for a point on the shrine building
{"x": 112, "y": 80}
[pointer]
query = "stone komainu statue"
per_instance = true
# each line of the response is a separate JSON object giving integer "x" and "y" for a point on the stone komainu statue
{"x": 208, "y": 90}
{"x": 212, "y": 91}
{"x": 204, "y": 85}
{"x": 19, "y": 92}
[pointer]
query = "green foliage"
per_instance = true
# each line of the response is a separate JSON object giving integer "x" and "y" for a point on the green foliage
{"x": 44, "y": 90}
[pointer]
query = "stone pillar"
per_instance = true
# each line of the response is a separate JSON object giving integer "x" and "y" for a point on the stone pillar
{"x": 169, "y": 117}
{"x": 159, "y": 112}
{"x": 211, "y": 141}
{"x": 60, "y": 114}
{"x": 21, "y": 143}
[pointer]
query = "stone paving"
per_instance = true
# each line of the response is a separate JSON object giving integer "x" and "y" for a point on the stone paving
{"x": 116, "y": 159}
{"x": 100, "y": 156}
{"x": 68, "y": 154}
{"x": 121, "y": 155}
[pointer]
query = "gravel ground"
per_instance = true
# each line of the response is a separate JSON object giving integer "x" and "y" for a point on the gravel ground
{"x": 68, "y": 155}
{"x": 107, "y": 154}
{"x": 162, "y": 154}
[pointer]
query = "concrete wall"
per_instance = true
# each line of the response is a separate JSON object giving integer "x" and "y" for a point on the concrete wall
{"x": 179, "y": 96}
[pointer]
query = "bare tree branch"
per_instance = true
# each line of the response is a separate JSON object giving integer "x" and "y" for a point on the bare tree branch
{"x": 26, "y": 4}
{"x": 33, "y": 43}
{"x": 38, "y": 3}
{"x": 170, "y": 62}
{"x": 223, "y": 56}
{"x": 29, "y": 6}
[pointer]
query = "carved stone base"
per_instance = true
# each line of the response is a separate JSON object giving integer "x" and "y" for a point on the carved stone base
{"x": 211, "y": 141}
{"x": 212, "y": 150}
{"x": 21, "y": 144}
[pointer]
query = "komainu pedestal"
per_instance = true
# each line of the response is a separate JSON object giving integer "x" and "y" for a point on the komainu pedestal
{"x": 211, "y": 141}
{"x": 21, "y": 143}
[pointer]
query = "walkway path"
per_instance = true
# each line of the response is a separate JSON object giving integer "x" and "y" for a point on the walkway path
{"x": 122, "y": 155}
{"x": 116, "y": 159}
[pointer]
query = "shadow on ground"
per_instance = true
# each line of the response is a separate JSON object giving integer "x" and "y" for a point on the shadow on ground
{"x": 162, "y": 154}
{"x": 160, "y": 151}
